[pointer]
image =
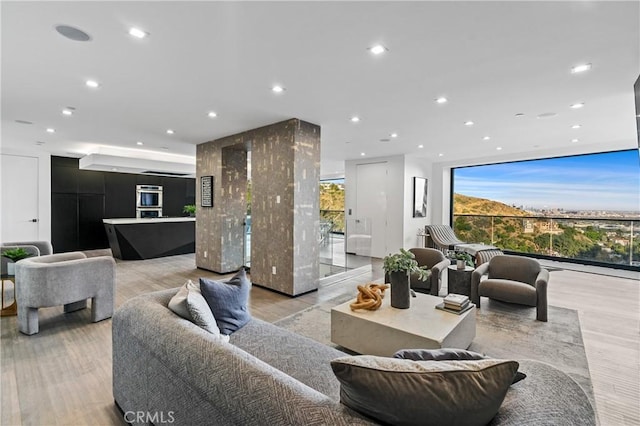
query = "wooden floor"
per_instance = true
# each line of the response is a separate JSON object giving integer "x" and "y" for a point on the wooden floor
{"x": 63, "y": 374}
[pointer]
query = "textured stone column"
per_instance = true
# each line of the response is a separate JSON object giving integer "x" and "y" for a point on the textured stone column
{"x": 220, "y": 229}
{"x": 285, "y": 175}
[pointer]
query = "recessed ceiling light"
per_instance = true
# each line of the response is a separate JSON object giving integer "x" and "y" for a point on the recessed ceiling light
{"x": 574, "y": 140}
{"x": 580, "y": 68}
{"x": 24, "y": 122}
{"x": 520, "y": 114}
{"x": 362, "y": 153}
{"x": 394, "y": 135}
{"x": 378, "y": 49}
{"x": 165, "y": 148}
{"x": 170, "y": 132}
{"x": 577, "y": 106}
{"x": 441, "y": 100}
{"x": 39, "y": 143}
{"x": 440, "y": 155}
{"x": 576, "y": 126}
{"x": 355, "y": 119}
{"x": 486, "y": 138}
{"x": 72, "y": 33}
{"x": 67, "y": 112}
{"x": 277, "y": 89}
{"x": 499, "y": 148}
{"x": 139, "y": 143}
{"x": 468, "y": 123}
{"x": 385, "y": 140}
{"x": 137, "y": 33}
{"x": 50, "y": 130}
{"x": 212, "y": 114}
{"x": 420, "y": 146}
{"x": 92, "y": 83}
{"x": 547, "y": 115}
{"x": 113, "y": 169}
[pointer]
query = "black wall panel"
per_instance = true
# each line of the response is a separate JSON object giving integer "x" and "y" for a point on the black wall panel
{"x": 91, "y": 233}
{"x": 80, "y": 199}
{"x": 64, "y": 222}
{"x": 120, "y": 195}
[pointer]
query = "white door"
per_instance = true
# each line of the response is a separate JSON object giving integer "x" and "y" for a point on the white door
{"x": 18, "y": 198}
{"x": 371, "y": 209}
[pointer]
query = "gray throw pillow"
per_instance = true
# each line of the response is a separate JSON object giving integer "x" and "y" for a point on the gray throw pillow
{"x": 446, "y": 354}
{"x": 201, "y": 313}
{"x": 228, "y": 301}
{"x": 426, "y": 393}
{"x": 178, "y": 302}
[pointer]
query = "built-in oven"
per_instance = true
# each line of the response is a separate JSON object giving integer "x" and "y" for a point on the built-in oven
{"x": 148, "y": 201}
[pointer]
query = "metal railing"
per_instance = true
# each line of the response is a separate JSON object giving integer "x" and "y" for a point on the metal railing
{"x": 609, "y": 241}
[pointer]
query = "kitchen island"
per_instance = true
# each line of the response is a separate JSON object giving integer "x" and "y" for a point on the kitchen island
{"x": 136, "y": 239}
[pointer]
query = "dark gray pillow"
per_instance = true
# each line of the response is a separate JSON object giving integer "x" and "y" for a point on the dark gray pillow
{"x": 446, "y": 354}
{"x": 427, "y": 393}
{"x": 228, "y": 301}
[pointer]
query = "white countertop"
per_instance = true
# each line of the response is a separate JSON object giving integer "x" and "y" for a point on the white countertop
{"x": 132, "y": 221}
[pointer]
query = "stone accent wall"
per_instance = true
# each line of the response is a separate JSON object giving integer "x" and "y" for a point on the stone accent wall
{"x": 220, "y": 229}
{"x": 285, "y": 162}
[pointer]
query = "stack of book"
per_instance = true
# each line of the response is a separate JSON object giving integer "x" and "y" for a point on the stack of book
{"x": 456, "y": 303}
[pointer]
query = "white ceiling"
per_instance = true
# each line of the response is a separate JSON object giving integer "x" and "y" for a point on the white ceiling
{"x": 491, "y": 59}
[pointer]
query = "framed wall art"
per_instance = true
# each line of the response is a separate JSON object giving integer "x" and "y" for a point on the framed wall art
{"x": 206, "y": 191}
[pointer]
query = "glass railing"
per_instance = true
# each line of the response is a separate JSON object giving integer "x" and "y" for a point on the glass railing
{"x": 612, "y": 241}
{"x": 336, "y": 217}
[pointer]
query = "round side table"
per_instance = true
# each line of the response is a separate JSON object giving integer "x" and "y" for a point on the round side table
{"x": 459, "y": 280}
{"x": 11, "y": 309}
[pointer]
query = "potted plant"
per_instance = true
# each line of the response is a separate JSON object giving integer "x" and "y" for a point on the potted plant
{"x": 14, "y": 255}
{"x": 463, "y": 259}
{"x": 190, "y": 209}
{"x": 399, "y": 266}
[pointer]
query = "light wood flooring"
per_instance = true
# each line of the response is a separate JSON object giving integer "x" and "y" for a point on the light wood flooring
{"x": 62, "y": 376}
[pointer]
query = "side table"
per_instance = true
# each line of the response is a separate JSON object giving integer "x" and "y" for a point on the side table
{"x": 459, "y": 280}
{"x": 11, "y": 309}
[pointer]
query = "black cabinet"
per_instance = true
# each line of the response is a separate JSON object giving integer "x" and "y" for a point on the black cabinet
{"x": 80, "y": 199}
{"x": 64, "y": 222}
{"x": 91, "y": 233}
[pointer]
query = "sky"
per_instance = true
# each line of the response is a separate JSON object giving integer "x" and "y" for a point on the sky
{"x": 606, "y": 181}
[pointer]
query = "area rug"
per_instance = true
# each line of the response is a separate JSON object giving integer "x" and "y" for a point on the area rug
{"x": 502, "y": 331}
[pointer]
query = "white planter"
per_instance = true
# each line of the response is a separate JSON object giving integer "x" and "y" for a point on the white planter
{"x": 460, "y": 264}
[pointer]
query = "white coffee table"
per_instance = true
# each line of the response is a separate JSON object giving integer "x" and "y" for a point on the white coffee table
{"x": 387, "y": 330}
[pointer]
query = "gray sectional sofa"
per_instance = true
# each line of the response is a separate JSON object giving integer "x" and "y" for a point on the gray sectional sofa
{"x": 166, "y": 369}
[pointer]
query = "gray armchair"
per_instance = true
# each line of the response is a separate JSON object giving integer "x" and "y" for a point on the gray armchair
{"x": 44, "y": 247}
{"x": 512, "y": 279}
{"x": 67, "y": 279}
{"x": 435, "y": 261}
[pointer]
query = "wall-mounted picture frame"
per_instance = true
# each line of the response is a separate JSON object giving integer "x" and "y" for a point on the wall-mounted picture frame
{"x": 420, "y": 197}
{"x": 206, "y": 191}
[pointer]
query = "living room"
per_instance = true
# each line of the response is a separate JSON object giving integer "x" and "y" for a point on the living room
{"x": 512, "y": 78}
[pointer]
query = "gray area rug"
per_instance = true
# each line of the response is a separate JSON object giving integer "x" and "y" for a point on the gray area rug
{"x": 502, "y": 331}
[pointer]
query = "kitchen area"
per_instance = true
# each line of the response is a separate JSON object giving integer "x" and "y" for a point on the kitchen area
{"x": 150, "y": 234}
{"x": 144, "y": 212}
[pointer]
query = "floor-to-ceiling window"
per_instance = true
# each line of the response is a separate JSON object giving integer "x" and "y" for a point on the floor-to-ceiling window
{"x": 583, "y": 208}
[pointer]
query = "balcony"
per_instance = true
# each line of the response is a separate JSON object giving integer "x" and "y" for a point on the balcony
{"x": 611, "y": 242}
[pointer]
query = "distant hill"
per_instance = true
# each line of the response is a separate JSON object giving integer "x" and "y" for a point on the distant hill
{"x": 464, "y": 204}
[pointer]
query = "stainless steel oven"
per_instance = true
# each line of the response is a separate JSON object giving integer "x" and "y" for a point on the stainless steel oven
{"x": 148, "y": 201}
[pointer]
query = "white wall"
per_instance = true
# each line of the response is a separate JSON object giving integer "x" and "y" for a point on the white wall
{"x": 415, "y": 167}
{"x": 395, "y": 197}
{"x": 44, "y": 189}
{"x": 402, "y": 227}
